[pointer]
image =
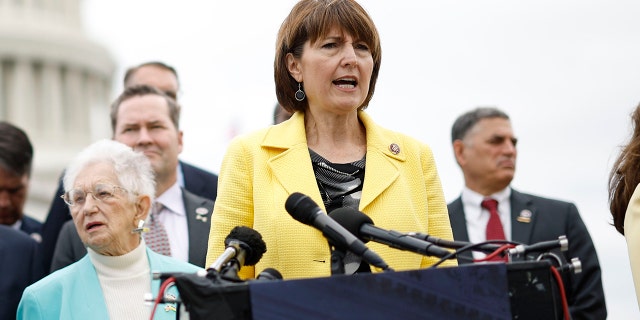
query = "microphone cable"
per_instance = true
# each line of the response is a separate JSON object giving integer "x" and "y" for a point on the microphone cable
{"x": 472, "y": 246}
{"x": 163, "y": 287}
{"x": 501, "y": 249}
{"x": 563, "y": 295}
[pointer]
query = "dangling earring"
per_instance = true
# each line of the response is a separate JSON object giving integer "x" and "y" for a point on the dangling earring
{"x": 300, "y": 94}
{"x": 141, "y": 228}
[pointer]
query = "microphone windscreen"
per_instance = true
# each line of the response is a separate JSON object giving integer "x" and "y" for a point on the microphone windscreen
{"x": 350, "y": 219}
{"x": 255, "y": 246}
{"x": 269, "y": 274}
{"x": 301, "y": 208}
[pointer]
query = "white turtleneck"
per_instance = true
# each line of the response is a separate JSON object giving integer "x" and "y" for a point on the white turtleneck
{"x": 124, "y": 280}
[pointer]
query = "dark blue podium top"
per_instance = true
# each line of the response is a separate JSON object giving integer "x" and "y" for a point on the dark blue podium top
{"x": 465, "y": 292}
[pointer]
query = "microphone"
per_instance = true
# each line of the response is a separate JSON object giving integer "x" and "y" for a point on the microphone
{"x": 305, "y": 210}
{"x": 269, "y": 274}
{"x": 562, "y": 243}
{"x": 362, "y": 226}
{"x": 244, "y": 245}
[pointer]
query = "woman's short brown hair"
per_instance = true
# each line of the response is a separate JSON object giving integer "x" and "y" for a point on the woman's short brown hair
{"x": 312, "y": 20}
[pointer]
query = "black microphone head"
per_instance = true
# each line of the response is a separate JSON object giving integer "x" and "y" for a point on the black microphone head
{"x": 301, "y": 208}
{"x": 351, "y": 219}
{"x": 251, "y": 241}
{"x": 269, "y": 274}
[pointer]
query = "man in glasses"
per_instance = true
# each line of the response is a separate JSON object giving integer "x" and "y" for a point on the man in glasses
{"x": 191, "y": 178}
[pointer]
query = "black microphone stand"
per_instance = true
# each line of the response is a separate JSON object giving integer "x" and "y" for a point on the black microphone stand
{"x": 337, "y": 261}
{"x": 230, "y": 271}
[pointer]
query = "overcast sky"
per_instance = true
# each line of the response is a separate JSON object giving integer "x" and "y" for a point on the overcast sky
{"x": 567, "y": 72}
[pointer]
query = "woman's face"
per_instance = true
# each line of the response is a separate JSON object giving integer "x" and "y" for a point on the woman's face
{"x": 335, "y": 72}
{"x": 104, "y": 215}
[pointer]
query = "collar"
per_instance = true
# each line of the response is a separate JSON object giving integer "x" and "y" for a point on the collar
{"x": 291, "y": 134}
{"x": 473, "y": 199}
{"x": 120, "y": 266}
{"x": 172, "y": 199}
{"x": 17, "y": 225}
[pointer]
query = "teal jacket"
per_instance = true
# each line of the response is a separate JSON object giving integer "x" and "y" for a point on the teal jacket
{"x": 74, "y": 292}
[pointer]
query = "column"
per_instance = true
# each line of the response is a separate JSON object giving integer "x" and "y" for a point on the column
{"x": 51, "y": 103}
{"x": 76, "y": 114}
{"x": 20, "y": 102}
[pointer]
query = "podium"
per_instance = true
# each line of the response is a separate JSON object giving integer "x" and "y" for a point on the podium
{"x": 519, "y": 290}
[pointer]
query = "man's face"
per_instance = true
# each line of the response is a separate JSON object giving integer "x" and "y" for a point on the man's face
{"x": 487, "y": 155}
{"x": 143, "y": 123}
{"x": 13, "y": 195}
{"x": 155, "y": 76}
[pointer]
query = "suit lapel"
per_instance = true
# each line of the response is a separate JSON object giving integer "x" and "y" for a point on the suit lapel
{"x": 88, "y": 289}
{"x": 191, "y": 181}
{"x": 291, "y": 163}
{"x": 382, "y": 163}
{"x": 458, "y": 221}
{"x": 289, "y": 158}
{"x": 459, "y": 228}
{"x": 523, "y": 217}
{"x": 199, "y": 225}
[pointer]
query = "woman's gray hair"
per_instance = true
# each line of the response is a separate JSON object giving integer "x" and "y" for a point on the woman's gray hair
{"x": 132, "y": 168}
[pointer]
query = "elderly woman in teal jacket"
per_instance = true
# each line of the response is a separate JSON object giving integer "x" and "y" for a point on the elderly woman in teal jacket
{"x": 109, "y": 189}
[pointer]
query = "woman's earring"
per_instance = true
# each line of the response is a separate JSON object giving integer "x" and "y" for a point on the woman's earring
{"x": 141, "y": 228}
{"x": 300, "y": 94}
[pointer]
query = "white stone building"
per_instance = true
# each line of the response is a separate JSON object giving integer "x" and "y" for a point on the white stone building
{"x": 55, "y": 83}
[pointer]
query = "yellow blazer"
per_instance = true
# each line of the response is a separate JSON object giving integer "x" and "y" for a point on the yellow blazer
{"x": 260, "y": 170}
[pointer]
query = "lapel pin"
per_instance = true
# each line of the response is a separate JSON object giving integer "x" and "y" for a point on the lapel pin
{"x": 170, "y": 297}
{"x": 37, "y": 237}
{"x": 201, "y": 214}
{"x": 525, "y": 216}
{"x": 394, "y": 148}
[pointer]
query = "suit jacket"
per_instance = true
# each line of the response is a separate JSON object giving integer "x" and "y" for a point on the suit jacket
{"x": 196, "y": 180}
{"x": 549, "y": 220}
{"x": 20, "y": 267}
{"x": 69, "y": 247}
{"x": 32, "y": 227}
{"x": 75, "y": 293}
{"x": 401, "y": 191}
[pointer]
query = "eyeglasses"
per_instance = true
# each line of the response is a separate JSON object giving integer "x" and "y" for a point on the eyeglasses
{"x": 101, "y": 192}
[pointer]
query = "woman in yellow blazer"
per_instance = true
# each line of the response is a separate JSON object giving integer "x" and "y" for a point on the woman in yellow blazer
{"x": 327, "y": 62}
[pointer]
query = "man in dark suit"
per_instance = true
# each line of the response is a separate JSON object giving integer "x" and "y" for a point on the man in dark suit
{"x": 16, "y": 156}
{"x": 191, "y": 178}
{"x": 485, "y": 148}
{"x": 20, "y": 267}
{"x": 147, "y": 120}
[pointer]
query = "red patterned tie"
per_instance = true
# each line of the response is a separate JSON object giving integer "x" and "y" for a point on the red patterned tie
{"x": 494, "y": 226}
{"x": 157, "y": 239}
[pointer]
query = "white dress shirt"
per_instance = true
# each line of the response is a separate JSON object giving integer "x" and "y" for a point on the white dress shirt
{"x": 174, "y": 219}
{"x": 478, "y": 217}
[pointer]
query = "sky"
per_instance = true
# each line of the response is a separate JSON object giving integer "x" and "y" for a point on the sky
{"x": 567, "y": 72}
